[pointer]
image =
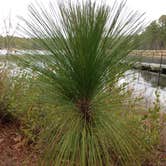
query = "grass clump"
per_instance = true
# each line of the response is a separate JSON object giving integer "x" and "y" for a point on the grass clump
{"x": 87, "y": 46}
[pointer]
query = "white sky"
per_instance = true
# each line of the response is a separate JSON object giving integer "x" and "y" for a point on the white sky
{"x": 153, "y": 8}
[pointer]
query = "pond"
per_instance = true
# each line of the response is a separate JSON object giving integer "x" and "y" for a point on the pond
{"x": 145, "y": 84}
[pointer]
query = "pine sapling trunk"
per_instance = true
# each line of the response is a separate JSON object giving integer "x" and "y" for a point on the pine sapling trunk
{"x": 84, "y": 107}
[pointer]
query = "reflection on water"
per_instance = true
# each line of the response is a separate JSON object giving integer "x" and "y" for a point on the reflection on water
{"x": 154, "y": 79}
{"x": 145, "y": 84}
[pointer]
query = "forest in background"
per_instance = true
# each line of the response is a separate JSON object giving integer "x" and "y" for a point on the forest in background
{"x": 13, "y": 42}
{"x": 154, "y": 35}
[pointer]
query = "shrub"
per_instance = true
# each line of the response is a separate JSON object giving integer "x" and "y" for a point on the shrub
{"x": 6, "y": 115}
{"x": 87, "y": 46}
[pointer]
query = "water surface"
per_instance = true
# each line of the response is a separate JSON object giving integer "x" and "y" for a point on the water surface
{"x": 145, "y": 84}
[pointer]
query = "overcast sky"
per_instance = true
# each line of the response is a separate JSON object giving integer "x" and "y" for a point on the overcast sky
{"x": 153, "y": 8}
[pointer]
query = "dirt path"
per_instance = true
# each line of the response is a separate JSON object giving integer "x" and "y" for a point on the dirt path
{"x": 13, "y": 151}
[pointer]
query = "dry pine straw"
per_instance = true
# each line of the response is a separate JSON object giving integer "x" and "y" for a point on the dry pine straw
{"x": 13, "y": 148}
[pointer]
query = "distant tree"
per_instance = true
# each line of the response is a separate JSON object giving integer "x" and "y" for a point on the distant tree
{"x": 162, "y": 20}
{"x": 151, "y": 36}
{"x": 154, "y": 36}
{"x": 162, "y": 26}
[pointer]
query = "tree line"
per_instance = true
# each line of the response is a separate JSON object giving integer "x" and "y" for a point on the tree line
{"x": 154, "y": 35}
{"x": 152, "y": 38}
{"x": 13, "y": 42}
